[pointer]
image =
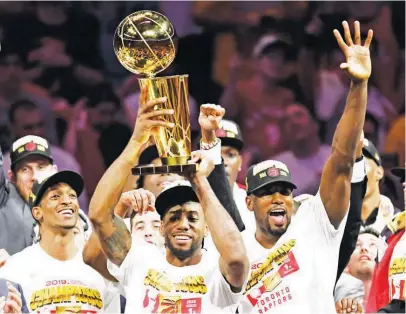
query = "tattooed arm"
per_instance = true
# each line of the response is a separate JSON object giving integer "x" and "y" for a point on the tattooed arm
{"x": 132, "y": 201}
{"x": 114, "y": 237}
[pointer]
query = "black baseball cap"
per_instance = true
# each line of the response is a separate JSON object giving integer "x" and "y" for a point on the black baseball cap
{"x": 176, "y": 193}
{"x": 73, "y": 179}
{"x": 369, "y": 150}
{"x": 399, "y": 172}
{"x": 230, "y": 134}
{"x": 267, "y": 172}
{"x": 27, "y": 146}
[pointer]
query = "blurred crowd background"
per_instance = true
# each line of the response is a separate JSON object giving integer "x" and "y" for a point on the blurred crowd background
{"x": 274, "y": 66}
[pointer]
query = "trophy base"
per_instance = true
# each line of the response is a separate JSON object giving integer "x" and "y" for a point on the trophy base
{"x": 174, "y": 161}
{"x": 148, "y": 170}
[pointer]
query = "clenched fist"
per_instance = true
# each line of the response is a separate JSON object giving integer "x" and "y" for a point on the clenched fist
{"x": 210, "y": 116}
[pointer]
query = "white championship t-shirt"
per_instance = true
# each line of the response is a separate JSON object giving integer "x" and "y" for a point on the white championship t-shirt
{"x": 54, "y": 286}
{"x": 152, "y": 285}
{"x": 298, "y": 274}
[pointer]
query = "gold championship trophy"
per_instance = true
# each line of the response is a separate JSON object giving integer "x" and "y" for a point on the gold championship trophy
{"x": 145, "y": 43}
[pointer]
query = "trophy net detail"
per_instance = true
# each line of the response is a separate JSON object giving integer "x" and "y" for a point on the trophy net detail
{"x": 174, "y": 145}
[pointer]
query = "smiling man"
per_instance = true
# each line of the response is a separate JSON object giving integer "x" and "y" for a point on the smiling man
{"x": 183, "y": 280}
{"x": 31, "y": 159}
{"x": 294, "y": 257}
{"x": 52, "y": 272}
{"x": 186, "y": 278}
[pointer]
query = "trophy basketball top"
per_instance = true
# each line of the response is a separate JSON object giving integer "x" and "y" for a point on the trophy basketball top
{"x": 145, "y": 43}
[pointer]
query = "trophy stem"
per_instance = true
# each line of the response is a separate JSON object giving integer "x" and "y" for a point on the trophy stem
{"x": 173, "y": 144}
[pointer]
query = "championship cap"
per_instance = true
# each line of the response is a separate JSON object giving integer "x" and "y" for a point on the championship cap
{"x": 176, "y": 193}
{"x": 267, "y": 172}
{"x": 371, "y": 152}
{"x": 230, "y": 134}
{"x": 27, "y": 146}
{"x": 73, "y": 179}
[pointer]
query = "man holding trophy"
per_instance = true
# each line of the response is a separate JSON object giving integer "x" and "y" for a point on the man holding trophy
{"x": 185, "y": 279}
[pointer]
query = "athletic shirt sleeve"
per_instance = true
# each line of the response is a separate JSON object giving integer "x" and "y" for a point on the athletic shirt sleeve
{"x": 314, "y": 213}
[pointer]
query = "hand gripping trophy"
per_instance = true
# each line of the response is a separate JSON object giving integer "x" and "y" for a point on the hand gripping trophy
{"x": 145, "y": 43}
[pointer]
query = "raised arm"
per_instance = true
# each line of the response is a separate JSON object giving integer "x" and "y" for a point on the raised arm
{"x": 114, "y": 237}
{"x": 227, "y": 238}
{"x": 130, "y": 203}
{"x": 335, "y": 184}
{"x": 209, "y": 119}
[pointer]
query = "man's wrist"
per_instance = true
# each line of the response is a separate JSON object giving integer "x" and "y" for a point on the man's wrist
{"x": 131, "y": 154}
{"x": 212, "y": 151}
{"x": 359, "y": 83}
{"x": 200, "y": 184}
{"x": 205, "y": 145}
{"x": 208, "y": 136}
{"x": 120, "y": 210}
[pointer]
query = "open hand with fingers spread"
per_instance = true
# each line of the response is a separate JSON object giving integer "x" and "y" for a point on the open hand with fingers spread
{"x": 135, "y": 201}
{"x": 147, "y": 118}
{"x": 358, "y": 60}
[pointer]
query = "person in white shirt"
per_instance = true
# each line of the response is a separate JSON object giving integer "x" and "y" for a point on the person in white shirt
{"x": 183, "y": 280}
{"x": 294, "y": 256}
{"x": 356, "y": 280}
{"x": 52, "y": 273}
{"x": 146, "y": 225}
{"x": 232, "y": 143}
